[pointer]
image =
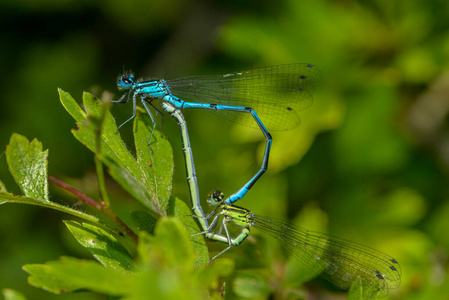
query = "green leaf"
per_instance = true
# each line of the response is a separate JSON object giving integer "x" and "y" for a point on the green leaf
{"x": 144, "y": 221}
{"x": 165, "y": 283}
{"x": 362, "y": 289}
{"x": 251, "y": 285}
{"x": 7, "y": 197}
{"x": 10, "y": 294}
{"x": 72, "y": 107}
{"x": 156, "y": 164}
{"x": 171, "y": 253}
{"x": 166, "y": 269}
{"x": 170, "y": 246}
{"x": 28, "y": 165}
{"x": 355, "y": 293}
{"x": 182, "y": 212}
{"x": 359, "y": 292}
{"x": 219, "y": 268}
{"x": 2, "y": 187}
{"x": 122, "y": 165}
{"x": 147, "y": 179}
{"x": 112, "y": 142}
{"x": 71, "y": 274}
{"x": 103, "y": 245}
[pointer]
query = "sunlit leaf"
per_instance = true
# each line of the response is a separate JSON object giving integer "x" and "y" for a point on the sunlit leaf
{"x": 170, "y": 246}
{"x": 10, "y": 198}
{"x": 2, "y": 187}
{"x": 156, "y": 163}
{"x": 28, "y": 165}
{"x": 147, "y": 179}
{"x": 10, "y": 294}
{"x": 103, "y": 245}
{"x": 71, "y": 274}
{"x": 183, "y": 213}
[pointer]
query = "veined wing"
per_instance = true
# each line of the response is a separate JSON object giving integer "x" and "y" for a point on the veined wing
{"x": 346, "y": 264}
{"x": 276, "y": 93}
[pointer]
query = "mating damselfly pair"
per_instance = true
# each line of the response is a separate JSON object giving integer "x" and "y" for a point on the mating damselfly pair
{"x": 269, "y": 99}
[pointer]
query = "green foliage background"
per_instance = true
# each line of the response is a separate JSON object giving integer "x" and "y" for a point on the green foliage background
{"x": 369, "y": 162}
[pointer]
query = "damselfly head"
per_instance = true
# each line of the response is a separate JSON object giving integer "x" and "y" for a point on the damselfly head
{"x": 125, "y": 80}
{"x": 216, "y": 198}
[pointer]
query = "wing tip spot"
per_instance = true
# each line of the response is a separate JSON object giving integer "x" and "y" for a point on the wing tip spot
{"x": 380, "y": 276}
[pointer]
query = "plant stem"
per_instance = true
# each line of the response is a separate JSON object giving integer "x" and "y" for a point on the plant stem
{"x": 100, "y": 206}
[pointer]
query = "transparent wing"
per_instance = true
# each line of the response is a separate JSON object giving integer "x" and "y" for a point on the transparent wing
{"x": 276, "y": 93}
{"x": 344, "y": 263}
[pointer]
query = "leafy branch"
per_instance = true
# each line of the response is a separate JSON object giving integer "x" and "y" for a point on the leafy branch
{"x": 165, "y": 263}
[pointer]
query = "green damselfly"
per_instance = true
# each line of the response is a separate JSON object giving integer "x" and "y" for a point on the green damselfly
{"x": 346, "y": 264}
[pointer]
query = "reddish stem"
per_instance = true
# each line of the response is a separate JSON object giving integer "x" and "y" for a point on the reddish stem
{"x": 97, "y": 205}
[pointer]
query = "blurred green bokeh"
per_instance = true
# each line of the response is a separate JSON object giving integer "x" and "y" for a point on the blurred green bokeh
{"x": 369, "y": 162}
